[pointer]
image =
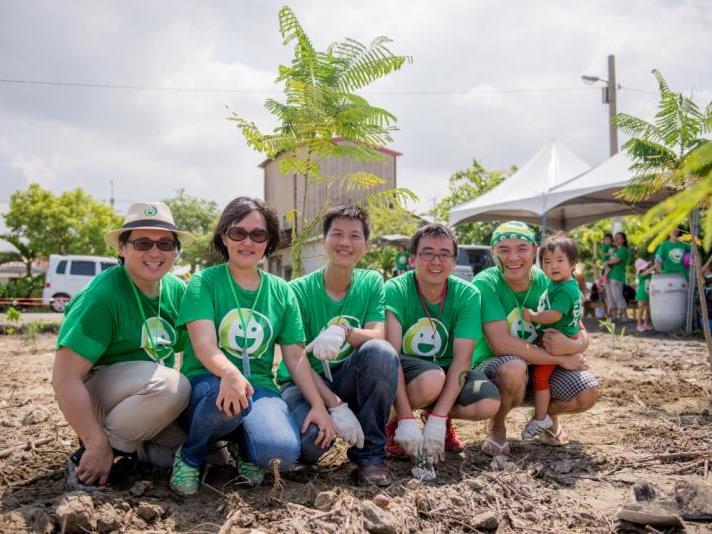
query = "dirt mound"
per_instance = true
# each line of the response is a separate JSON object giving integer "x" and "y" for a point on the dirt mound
{"x": 652, "y": 424}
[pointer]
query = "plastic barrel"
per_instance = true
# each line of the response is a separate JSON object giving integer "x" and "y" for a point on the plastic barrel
{"x": 668, "y": 301}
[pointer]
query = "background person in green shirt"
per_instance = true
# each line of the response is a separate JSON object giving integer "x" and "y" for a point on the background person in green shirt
{"x": 235, "y": 313}
{"x": 644, "y": 270}
{"x": 402, "y": 260}
{"x": 509, "y": 343}
{"x": 668, "y": 256}
{"x": 113, "y": 375}
{"x": 432, "y": 320}
{"x": 617, "y": 305}
{"x": 343, "y": 315}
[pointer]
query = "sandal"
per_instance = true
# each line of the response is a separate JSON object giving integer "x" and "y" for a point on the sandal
{"x": 491, "y": 448}
{"x": 554, "y": 439}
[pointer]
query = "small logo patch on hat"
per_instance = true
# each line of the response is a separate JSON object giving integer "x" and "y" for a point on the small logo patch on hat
{"x": 150, "y": 211}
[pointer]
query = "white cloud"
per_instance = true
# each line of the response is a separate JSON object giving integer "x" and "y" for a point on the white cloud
{"x": 151, "y": 143}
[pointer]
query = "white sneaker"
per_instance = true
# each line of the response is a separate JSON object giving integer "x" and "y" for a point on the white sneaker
{"x": 536, "y": 426}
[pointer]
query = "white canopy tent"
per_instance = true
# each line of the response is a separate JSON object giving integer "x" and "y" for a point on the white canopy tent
{"x": 584, "y": 198}
{"x": 525, "y": 194}
{"x": 592, "y": 196}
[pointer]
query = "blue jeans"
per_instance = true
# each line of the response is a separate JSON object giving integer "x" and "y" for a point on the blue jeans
{"x": 367, "y": 382}
{"x": 264, "y": 431}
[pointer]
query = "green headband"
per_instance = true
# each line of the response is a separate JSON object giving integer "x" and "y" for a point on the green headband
{"x": 513, "y": 230}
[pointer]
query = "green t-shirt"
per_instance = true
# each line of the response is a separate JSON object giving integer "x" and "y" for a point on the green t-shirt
{"x": 275, "y": 319}
{"x": 617, "y": 271}
{"x": 362, "y": 304}
{"x": 501, "y": 303}
{"x": 605, "y": 252}
{"x": 641, "y": 292}
{"x": 432, "y": 338}
{"x": 104, "y": 324}
{"x": 402, "y": 261}
{"x": 670, "y": 254}
{"x": 564, "y": 297}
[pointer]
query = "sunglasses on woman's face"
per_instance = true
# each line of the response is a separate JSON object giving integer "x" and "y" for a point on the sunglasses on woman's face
{"x": 144, "y": 244}
{"x": 238, "y": 233}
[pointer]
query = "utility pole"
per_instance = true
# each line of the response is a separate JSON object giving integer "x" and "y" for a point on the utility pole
{"x": 611, "y": 92}
{"x": 609, "y": 96}
{"x": 111, "y": 199}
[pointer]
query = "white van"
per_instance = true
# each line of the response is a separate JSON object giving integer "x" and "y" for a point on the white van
{"x": 471, "y": 259}
{"x": 67, "y": 275}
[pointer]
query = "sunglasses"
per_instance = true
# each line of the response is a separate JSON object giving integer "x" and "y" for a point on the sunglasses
{"x": 238, "y": 233}
{"x": 144, "y": 244}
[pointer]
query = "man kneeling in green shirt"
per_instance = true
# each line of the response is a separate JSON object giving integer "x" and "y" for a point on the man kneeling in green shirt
{"x": 355, "y": 370}
{"x": 113, "y": 372}
{"x": 433, "y": 320}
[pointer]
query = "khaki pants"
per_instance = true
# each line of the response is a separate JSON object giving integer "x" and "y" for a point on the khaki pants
{"x": 137, "y": 402}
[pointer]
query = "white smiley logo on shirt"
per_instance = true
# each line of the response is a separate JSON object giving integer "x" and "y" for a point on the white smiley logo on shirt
{"x": 245, "y": 330}
{"x": 422, "y": 339}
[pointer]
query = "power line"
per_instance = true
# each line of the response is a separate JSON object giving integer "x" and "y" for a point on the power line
{"x": 260, "y": 91}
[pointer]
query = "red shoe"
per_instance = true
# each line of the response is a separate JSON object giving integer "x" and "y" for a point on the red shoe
{"x": 452, "y": 442}
{"x": 393, "y": 449}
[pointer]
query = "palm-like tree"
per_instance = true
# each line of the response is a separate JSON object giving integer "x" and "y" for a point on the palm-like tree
{"x": 658, "y": 148}
{"x": 320, "y": 107}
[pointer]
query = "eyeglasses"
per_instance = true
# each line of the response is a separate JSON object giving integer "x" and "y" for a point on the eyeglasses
{"x": 430, "y": 256}
{"x": 144, "y": 244}
{"x": 238, "y": 233}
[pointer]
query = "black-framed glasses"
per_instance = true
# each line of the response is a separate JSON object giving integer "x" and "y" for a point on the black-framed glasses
{"x": 238, "y": 233}
{"x": 430, "y": 256}
{"x": 144, "y": 244}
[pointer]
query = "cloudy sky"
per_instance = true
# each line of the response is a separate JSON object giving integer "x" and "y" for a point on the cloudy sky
{"x": 489, "y": 80}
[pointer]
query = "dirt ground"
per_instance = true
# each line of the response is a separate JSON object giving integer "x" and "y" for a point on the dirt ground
{"x": 653, "y": 423}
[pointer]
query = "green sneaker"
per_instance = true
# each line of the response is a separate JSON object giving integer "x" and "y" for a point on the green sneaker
{"x": 250, "y": 475}
{"x": 185, "y": 479}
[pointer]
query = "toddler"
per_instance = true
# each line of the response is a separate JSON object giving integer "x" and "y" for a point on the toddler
{"x": 560, "y": 307}
{"x": 644, "y": 269}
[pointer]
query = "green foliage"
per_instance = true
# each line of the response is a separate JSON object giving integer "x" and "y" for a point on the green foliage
{"x": 320, "y": 108}
{"x": 199, "y": 217}
{"x": 42, "y": 223}
{"x": 26, "y": 286}
{"x": 658, "y": 148}
{"x": 466, "y": 185}
{"x": 668, "y": 214}
{"x": 381, "y": 259}
{"x": 13, "y": 315}
{"x": 31, "y": 330}
{"x": 397, "y": 220}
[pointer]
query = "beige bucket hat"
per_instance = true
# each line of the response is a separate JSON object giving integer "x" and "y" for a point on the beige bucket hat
{"x": 147, "y": 216}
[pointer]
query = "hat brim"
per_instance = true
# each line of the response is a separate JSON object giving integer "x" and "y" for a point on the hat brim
{"x": 112, "y": 237}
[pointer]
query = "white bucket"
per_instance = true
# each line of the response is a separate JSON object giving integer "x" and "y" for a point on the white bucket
{"x": 668, "y": 301}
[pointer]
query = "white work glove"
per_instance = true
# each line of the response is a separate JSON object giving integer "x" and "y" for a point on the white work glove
{"x": 434, "y": 439}
{"x": 347, "y": 426}
{"x": 327, "y": 345}
{"x": 409, "y": 436}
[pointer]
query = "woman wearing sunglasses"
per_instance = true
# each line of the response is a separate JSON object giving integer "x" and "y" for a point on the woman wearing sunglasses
{"x": 113, "y": 373}
{"x": 235, "y": 313}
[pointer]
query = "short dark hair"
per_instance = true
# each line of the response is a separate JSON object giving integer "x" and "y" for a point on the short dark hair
{"x": 432, "y": 230}
{"x": 124, "y": 240}
{"x": 237, "y": 210}
{"x": 608, "y": 235}
{"x": 561, "y": 241}
{"x": 346, "y": 211}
